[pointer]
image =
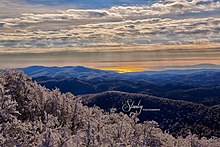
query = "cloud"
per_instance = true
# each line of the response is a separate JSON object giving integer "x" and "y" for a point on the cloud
{"x": 117, "y": 12}
{"x": 113, "y": 27}
{"x": 129, "y": 32}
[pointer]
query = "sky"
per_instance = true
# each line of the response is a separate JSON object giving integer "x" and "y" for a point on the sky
{"x": 122, "y": 35}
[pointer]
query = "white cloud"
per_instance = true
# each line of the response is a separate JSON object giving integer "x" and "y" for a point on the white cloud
{"x": 116, "y": 12}
{"x": 116, "y": 26}
{"x": 145, "y": 31}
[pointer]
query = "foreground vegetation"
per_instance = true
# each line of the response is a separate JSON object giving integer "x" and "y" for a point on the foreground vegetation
{"x": 31, "y": 115}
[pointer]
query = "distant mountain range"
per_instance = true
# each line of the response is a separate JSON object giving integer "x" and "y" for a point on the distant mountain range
{"x": 194, "y": 85}
{"x": 189, "y": 99}
{"x": 63, "y": 72}
{"x": 75, "y": 71}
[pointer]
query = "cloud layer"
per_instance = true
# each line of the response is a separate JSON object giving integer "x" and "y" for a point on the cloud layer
{"x": 165, "y": 22}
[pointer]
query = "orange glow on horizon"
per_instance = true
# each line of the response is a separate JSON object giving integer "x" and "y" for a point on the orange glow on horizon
{"x": 124, "y": 69}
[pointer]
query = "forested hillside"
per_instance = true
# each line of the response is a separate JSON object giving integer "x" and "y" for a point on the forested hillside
{"x": 176, "y": 116}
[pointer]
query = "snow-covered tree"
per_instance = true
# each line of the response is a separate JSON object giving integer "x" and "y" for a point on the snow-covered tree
{"x": 31, "y": 115}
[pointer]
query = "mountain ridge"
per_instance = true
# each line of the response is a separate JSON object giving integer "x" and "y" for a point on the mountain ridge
{"x": 209, "y": 67}
{"x": 198, "y": 86}
{"x": 180, "y": 115}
